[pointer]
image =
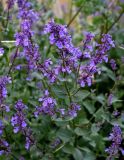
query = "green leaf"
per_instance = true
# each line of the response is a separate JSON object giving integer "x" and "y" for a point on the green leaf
{"x": 81, "y": 95}
{"x": 110, "y": 74}
{"x": 88, "y": 154}
{"x": 89, "y": 106}
{"x": 60, "y": 93}
{"x": 101, "y": 98}
{"x": 94, "y": 128}
{"x": 65, "y": 135}
{"x": 68, "y": 149}
{"x": 78, "y": 155}
{"x": 82, "y": 132}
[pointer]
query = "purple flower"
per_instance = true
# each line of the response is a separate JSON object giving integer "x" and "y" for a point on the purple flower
{"x": 113, "y": 64}
{"x": 29, "y": 139}
{"x": 61, "y": 111}
{"x": 24, "y": 38}
{"x": 4, "y": 108}
{"x": 116, "y": 113}
{"x": 47, "y": 105}
{"x": 72, "y": 111}
{"x": 47, "y": 70}
{"x": 10, "y": 3}
{"x": 19, "y": 106}
{"x": 55, "y": 143}
{"x": 3, "y": 91}
{"x": 1, "y": 127}
{"x": 4, "y": 147}
{"x": 28, "y": 143}
{"x": 18, "y": 121}
{"x": 60, "y": 37}
{"x": 88, "y": 39}
{"x": 18, "y": 67}
{"x": 110, "y": 99}
{"x": 87, "y": 71}
{"x": 1, "y": 51}
{"x": 116, "y": 139}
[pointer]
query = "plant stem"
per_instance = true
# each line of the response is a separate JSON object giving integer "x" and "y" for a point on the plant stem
{"x": 65, "y": 84}
{"x": 7, "y": 20}
{"x": 10, "y": 69}
{"x": 116, "y": 20}
{"x": 78, "y": 70}
{"x": 76, "y": 91}
{"x": 8, "y": 139}
{"x": 76, "y": 14}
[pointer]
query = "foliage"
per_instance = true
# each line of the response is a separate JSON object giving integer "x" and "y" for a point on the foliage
{"x": 49, "y": 111}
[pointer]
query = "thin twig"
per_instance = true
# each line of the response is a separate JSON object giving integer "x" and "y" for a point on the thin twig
{"x": 116, "y": 20}
{"x": 8, "y": 139}
{"x": 65, "y": 84}
{"x": 13, "y": 61}
{"x": 76, "y": 14}
{"x": 7, "y": 20}
{"x": 76, "y": 91}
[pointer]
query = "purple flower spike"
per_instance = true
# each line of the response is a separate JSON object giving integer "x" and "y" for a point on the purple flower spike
{"x": 1, "y": 51}
{"x": 4, "y": 147}
{"x": 3, "y": 91}
{"x": 113, "y": 64}
{"x": 18, "y": 121}
{"x": 47, "y": 105}
{"x": 1, "y": 127}
{"x": 116, "y": 138}
{"x": 73, "y": 110}
{"x": 110, "y": 99}
{"x": 60, "y": 37}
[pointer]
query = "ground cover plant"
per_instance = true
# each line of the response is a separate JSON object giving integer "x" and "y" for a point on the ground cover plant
{"x": 61, "y": 80}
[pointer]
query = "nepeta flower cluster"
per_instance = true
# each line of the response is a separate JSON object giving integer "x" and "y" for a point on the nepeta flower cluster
{"x": 19, "y": 123}
{"x": 116, "y": 138}
{"x": 71, "y": 56}
{"x": 86, "y": 72}
{"x": 1, "y": 51}
{"x": 76, "y": 65}
{"x": 110, "y": 99}
{"x": 4, "y": 146}
{"x": 113, "y": 64}
{"x": 60, "y": 37}
{"x": 47, "y": 105}
{"x": 72, "y": 111}
{"x": 55, "y": 143}
{"x": 10, "y": 3}
{"x": 48, "y": 71}
{"x": 24, "y": 37}
{"x": 4, "y": 80}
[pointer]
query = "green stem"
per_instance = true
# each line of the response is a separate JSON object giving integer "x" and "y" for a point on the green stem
{"x": 10, "y": 69}
{"x": 65, "y": 84}
{"x": 8, "y": 139}
{"x": 78, "y": 74}
{"x": 76, "y": 91}
{"x": 116, "y": 20}
{"x": 69, "y": 96}
{"x": 76, "y": 14}
{"x": 7, "y": 20}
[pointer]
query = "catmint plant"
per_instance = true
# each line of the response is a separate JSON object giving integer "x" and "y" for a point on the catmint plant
{"x": 57, "y": 86}
{"x": 116, "y": 138}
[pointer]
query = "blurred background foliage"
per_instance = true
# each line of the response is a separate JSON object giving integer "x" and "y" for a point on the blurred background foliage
{"x": 85, "y": 137}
